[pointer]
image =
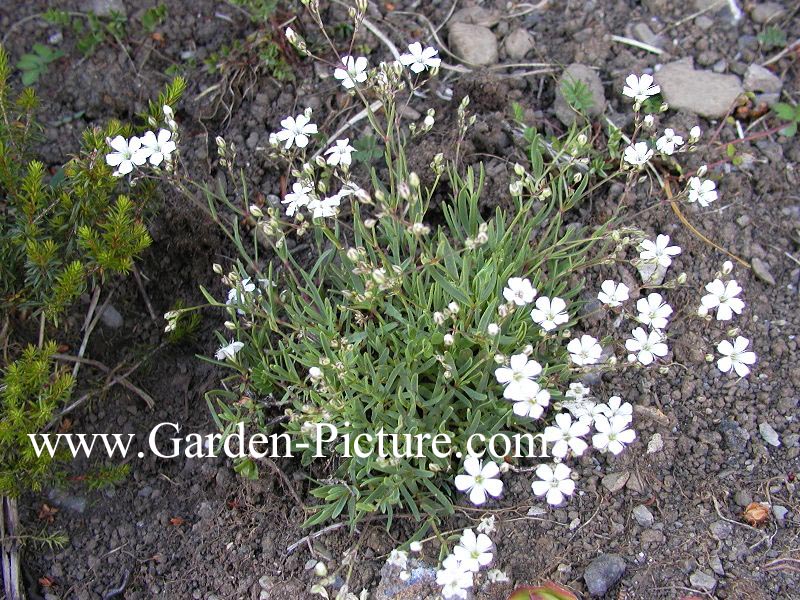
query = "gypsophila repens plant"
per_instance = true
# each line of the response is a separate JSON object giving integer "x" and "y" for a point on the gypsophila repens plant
{"x": 371, "y": 316}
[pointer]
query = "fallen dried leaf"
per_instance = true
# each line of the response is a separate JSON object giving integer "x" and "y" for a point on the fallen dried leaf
{"x": 756, "y": 514}
{"x": 47, "y": 513}
{"x": 177, "y": 521}
{"x": 46, "y": 582}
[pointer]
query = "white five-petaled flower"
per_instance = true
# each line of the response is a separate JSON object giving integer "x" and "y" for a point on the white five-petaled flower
{"x": 613, "y": 294}
{"x": 549, "y": 313}
{"x": 658, "y": 251}
{"x": 533, "y": 405}
{"x": 735, "y": 356}
{"x": 296, "y": 130}
{"x": 577, "y": 391}
{"x": 519, "y": 291}
{"x": 354, "y": 71}
{"x": 704, "y": 192}
{"x": 612, "y": 433}
{"x": 480, "y": 480}
{"x": 340, "y": 154}
{"x": 566, "y": 436}
{"x": 584, "y": 351}
{"x": 229, "y": 351}
{"x": 640, "y": 88}
{"x": 638, "y": 154}
{"x": 555, "y": 483}
{"x": 327, "y": 207}
{"x": 668, "y": 142}
{"x": 616, "y": 408}
{"x": 584, "y": 410}
{"x": 473, "y": 551}
{"x": 518, "y": 377}
{"x": 160, "y": 146}
{"x": 647, "y": 346}
{"x": 653, "y": 311}
{"x": 241, "y": 294}
{"x": 300, "y": 196}
{"x": 417, "y": 59}
{"x": 128, "y": 154}
{"x": 722, "y": 296}
{"x": 454, "y": 578}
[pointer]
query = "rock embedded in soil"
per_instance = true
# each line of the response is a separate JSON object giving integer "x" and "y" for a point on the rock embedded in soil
{"x": 735, "y": 437}
{"x": 588, "y": 76}
{"x": 767, "y": 12}
{"x": 764, "y": 82}
{"x": 721, "y": 530}
{"x": 769, "y": 434}
{"x": 697, "y": 91}
{"x": 614, "y": 482}
{"x": 643, "y": 516}
{"x": 475, "y": 15}
{"x": 474, "y": 44}
{"x": 603, "y": 572}
{"x": 518, "y": 43}
{"x": 703, "y": 580}
{"x": 111, "y": 317}
{"x": 761, "y": 270}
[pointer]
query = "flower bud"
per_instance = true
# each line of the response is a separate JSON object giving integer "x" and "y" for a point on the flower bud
{"x": 449, "y": 339}
{"x": 649, "y": 121}
{"x": 702, "y": 170}
{"x": 438, "y": 318}
{"x": 217, "y": 268}
{"x": 320, "y": 570}
{"x": 499, "y": 359}
{"x": 682, "y": 278}
{"x": 727, "y": 267}
{"x": 702, "y": 311}
{"x": 230, "y": 325}
{"x": 493, "y": 329}
{"x": 454, "y": 307}
{"x": 256, "y": 211}
{"x": 315, "y": 373}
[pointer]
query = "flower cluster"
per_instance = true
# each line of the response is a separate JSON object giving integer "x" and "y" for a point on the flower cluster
{"x": 470, "y": 555}
{"x": 153, "y": 147}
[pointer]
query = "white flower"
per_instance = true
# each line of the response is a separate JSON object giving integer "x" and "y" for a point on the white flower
{"x": 229, "y": 351}
{"x": 638, "y": 154}
{"x": 555, "y": 483}
{"x": 567, "y": 436}
{"x": 653, "y": 311}
{"x": 519, "y": 291}
{"x": 398, "y": 558}
{"x": 296, "y": 130}
{"x": 722, "y": 296}
{"x": 577, "y": 391}
{"x": 415, "y": 546}
{"x": 613, "y": 294}
{"x": 584, "y": 351}
{"x": 129, "y": 154}
{"x": 659, "y": 252}
{"x": 327, "y": 207}
{"x": 340, "y": 154}
{"x": 583, "y": 410}
{"x": 668, "y": 142}
{"x": 612, "y": 434}
{"x": 300, "y": 196}
{"x": 159, "y": 146}
{"x": 533, "y": 404}
{"x": 493, "y": 329}
{"x": 241, "y": 293}
{"x": 549, "y": 313}
{"x": 640, "y": 88}
{"x": 315, "y": 373}
{"x": 454, "y": 578}
{"x": 480, "y": 480}
{"x": 473, "y": 551}
{"x": 704, "y": 192}
{"x": 615, "y": 408}
{"x": 418, "y": 59}
{"x": 734, "y": 356}
{"x": 354, "y": 71}
{"x": 647, "y": 345}
{"x": 518, "y": 377}
{"x": 649, "y": 121}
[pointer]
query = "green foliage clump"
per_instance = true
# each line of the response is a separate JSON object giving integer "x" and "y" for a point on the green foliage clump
{"x": 33, "y": 389}
{"x": 34, "y": 64}
{"x": 791, "y": 114}
{"x": 389, "y": 328}
{"x": 59, "y": 231}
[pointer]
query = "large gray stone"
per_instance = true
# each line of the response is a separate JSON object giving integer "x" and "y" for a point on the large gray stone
{"x": 700, "y": 92}
{"x": 603, "y": 572}
{"x": 588, "y": 76}
{"x": 474, "y": 44}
